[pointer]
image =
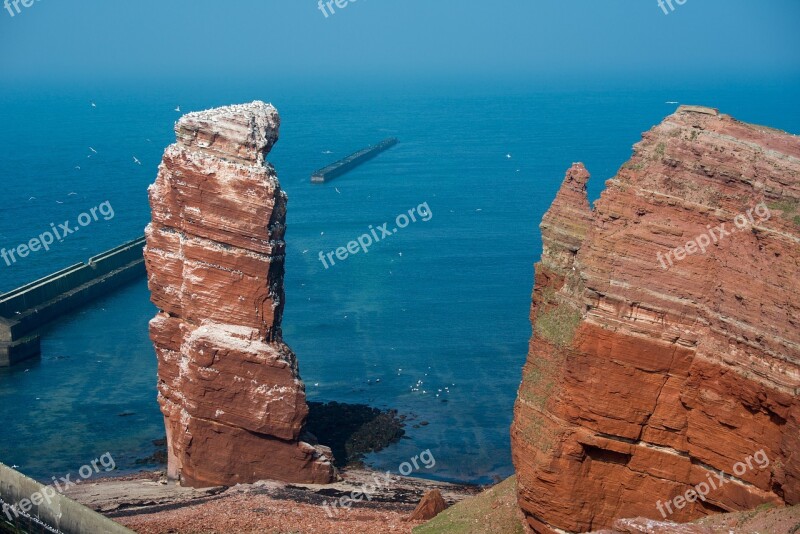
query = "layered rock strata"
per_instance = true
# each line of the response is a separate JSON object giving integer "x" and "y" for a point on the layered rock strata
{"x": 229, "y": 388}
{"x": 655, "y": 370}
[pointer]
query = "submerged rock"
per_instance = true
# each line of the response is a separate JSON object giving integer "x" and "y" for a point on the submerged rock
{"x": 353, "y": 430}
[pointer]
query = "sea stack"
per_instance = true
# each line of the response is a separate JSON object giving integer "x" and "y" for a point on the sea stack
{"x": 229, "y": 387}
{"x": 664, "y": 363}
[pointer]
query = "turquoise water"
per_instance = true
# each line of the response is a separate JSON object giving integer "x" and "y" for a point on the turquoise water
{"x": 444, "y": 301}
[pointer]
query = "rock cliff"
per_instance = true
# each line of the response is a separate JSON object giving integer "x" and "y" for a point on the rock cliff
{"x": 229, "y": 388}
{"x": 664, "y": 368}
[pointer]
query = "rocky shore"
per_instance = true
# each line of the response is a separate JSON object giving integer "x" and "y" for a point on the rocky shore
{"x": 149, "y": 503}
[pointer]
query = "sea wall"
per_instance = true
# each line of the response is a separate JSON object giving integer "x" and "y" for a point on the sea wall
{"x": 59, "y": 513}
{"x": 31, "y": 306}
{"x": 345, "y": 165}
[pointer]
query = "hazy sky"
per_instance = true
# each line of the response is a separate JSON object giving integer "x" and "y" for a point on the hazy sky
{"x": 97, "y": 39}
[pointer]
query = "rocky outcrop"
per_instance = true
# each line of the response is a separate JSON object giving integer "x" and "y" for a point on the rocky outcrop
{"x": 665, "y": 356}
{"x": 431, "y": 505}
{"x": 229, "y": 388}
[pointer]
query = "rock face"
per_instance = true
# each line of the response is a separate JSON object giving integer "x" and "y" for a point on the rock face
{"x": 229, "y": 388}
{"x": 651, "y": 371}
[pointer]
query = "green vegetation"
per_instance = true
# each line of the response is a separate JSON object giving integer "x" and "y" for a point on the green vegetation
{"x": 788, "y": 209}
{"x": 492, "y": 512}
{"x": 557, "y": 324}
{"x": 538, "y": 383}
{"x": 786, "y": 206}
{"x": 659, "y": 153}
{"x": 634, "y": 166}
{"x": 535, "y": 435}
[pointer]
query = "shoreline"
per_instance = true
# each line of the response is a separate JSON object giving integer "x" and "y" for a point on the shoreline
{"x": 148, "y": 503}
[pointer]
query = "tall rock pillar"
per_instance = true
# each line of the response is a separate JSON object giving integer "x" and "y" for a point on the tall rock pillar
{"x": 229, "y": 388}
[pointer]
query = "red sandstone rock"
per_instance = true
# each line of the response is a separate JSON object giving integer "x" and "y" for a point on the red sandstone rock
{"x": 431, "y": 505}
{"x": 642, "y": 382}
{"x": 233, "y": 402}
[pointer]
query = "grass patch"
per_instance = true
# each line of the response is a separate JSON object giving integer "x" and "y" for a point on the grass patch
{"x": 537, "y": 436}
{"x": 558, "y": 324}
{"x": 786, "y": 206}
{"x": 659, "y": 152}
{"x": 492, "y": 512}
{"x": 538, "y": 383}
{"x": 633, "y": 166}
{"x": 788, "y": 209}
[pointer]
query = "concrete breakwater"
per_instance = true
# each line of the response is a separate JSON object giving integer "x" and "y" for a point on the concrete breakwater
{"x": 352, "y": 161}
{"x": 26, "y": 309}
{"x": 28, "y": 506}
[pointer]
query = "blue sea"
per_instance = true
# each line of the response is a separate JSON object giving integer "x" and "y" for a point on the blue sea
{"x": 432, "y": 321}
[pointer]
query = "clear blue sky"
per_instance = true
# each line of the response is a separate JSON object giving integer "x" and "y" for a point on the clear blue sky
{"x": 98, "y": 39}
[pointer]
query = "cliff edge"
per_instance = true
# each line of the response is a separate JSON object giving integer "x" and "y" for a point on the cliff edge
{"x": 663, "y": 373}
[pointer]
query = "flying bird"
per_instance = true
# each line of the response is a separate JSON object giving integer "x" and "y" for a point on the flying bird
{"x": 78, "y": 167}
{"x": 72, "y": 193}
{"x": 94, "y": 105}
{"x": 178, "y": 109}
{"x": 337, "y": 190}
{"x": 93, "y": 150}
{"x": 136, "y": 160}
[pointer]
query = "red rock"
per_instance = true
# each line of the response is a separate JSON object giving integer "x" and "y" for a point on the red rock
{"x": 229, "y": 388}
{"x": 642, "y": 382}
{"x": 431, "y": 505}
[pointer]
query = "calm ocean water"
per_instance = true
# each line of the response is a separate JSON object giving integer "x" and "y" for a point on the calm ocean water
{"x": 444, "y": 302}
